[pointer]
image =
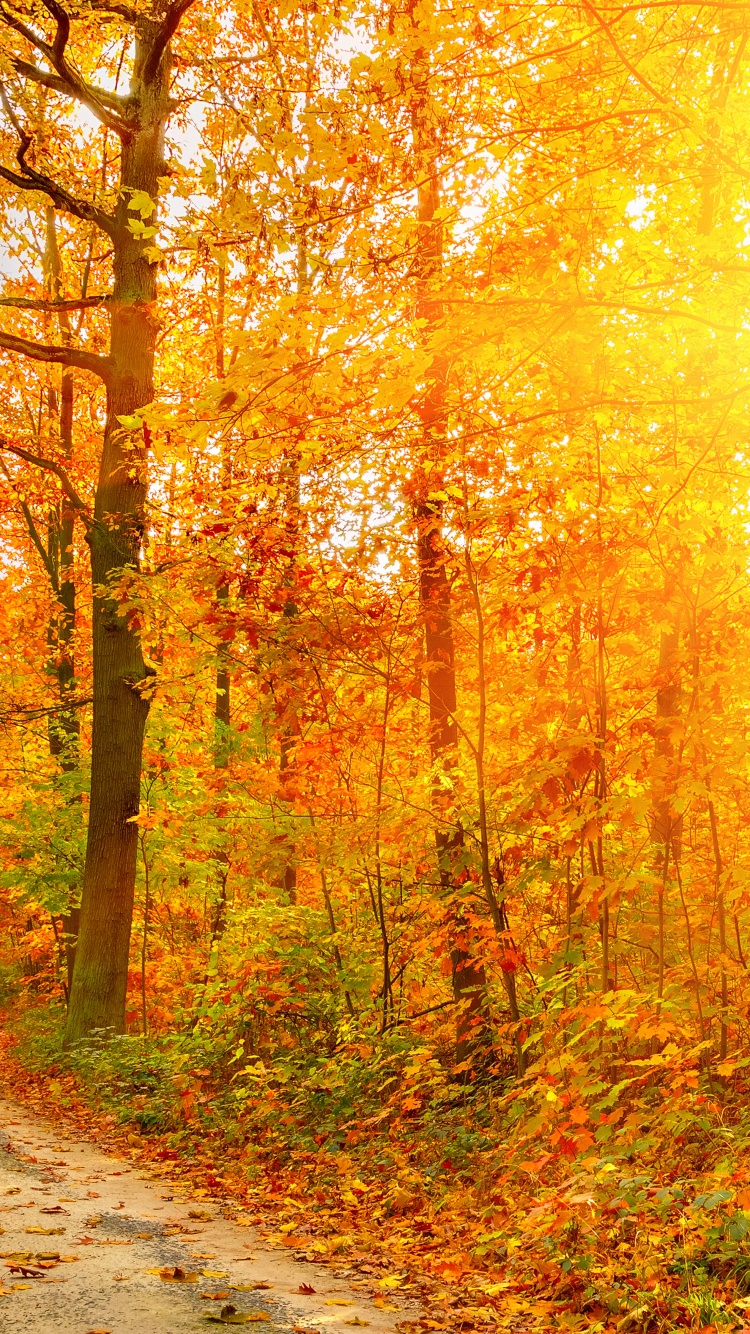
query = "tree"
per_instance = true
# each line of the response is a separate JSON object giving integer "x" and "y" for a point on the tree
{"x": 137, "y": 119}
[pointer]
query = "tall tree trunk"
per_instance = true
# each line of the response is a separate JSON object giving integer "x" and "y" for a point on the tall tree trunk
{"x": 222, "y": 696}
{"x": 497, "y": 907}
{"x": 666, "y": 827}
{"x": 56, "y": 552}
{"x": 289, "y": 730}
{"x": 468, "y": 974}
{"x": 120, "y": 704}
{"x": 64, "y": 731}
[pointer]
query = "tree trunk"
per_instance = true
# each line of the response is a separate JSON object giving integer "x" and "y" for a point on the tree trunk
{"x": 120, "y": 704}
{"x": 64, "y": 728}
{"x": 289, "y": 732}
{"x": 222, "y": 695}
{"x": 666, "y": 826}
{"x": 468, "y": 975}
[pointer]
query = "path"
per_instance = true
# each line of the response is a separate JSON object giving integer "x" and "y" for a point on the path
{"x": 85, "y": 1236}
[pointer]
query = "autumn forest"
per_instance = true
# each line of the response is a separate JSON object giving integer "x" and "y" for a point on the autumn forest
{"x": 375, "y": 627}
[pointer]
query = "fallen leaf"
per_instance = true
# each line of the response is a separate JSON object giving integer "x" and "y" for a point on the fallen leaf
{"x": 356, "y": 1321}
{"x": 229, "y": 1315}
{"x": 214, "y": 1296}
{"x": 250, "y": 1287}
{"x": 54, "y": 1209}
{"x": 46, "y": 1231}
{"x": 338, "y": 1301}
{"x": 214, "y": 1273}
{"x": 175, "y": 1275}
{"x": 144, "y": 1236}
{"x": 400, "y": 1200}
{"x": 202, "y": 1215}
{"x": 307, "y": 1288}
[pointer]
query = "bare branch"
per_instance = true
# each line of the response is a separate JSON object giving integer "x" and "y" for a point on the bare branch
{"x": 49, "y": 465}
{"x": 103, "y": 104}
{"x": 30, "y": 303}
{"x": 65, "y": 356}
{"x": 164, "y": 36}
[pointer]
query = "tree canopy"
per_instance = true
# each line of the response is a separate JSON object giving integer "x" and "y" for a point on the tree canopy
{"x": 374, "y": 477}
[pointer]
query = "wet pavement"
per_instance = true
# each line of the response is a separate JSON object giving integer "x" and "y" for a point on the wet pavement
{"x": 89, "y": 1243}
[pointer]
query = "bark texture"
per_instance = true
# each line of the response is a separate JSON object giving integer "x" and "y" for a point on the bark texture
{"x": 120, "y": 675}
{"x": 467, "y": 970}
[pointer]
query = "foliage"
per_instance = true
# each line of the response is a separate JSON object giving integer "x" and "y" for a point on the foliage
{"x": 450, "y": 343}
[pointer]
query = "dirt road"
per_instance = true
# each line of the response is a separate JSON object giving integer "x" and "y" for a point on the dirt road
{"x": 89, "y": 1243}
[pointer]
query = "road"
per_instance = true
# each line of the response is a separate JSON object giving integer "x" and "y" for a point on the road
{"x": 90, "y": 1243}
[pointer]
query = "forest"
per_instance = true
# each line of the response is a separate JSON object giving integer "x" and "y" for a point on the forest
{"x": 375, "y": 491}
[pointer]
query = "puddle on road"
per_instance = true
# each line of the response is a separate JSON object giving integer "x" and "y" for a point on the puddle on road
{"x": 124, "y": 1228}
{"x": 110, "y": 1288}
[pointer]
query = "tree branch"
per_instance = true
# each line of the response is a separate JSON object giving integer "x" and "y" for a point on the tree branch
{"x": 31, "y": 714}
{"x": 124, "y": 11}
{"x": 79, "y": 208}
{"x": 34, "y": 180}
{"x": 34, "y": 534}
{"x": 100, "y": 102}
{"x": 65, "y": 356}
{"x": 59, "y": 85}
{"x": 630, "y": 67}
{"x": 49, "y": 465}
{"x": 163, "y": 37}
{"x": 29, "y": 303}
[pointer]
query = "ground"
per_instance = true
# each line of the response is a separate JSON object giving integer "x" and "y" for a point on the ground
{"x": 90, "y": 1243}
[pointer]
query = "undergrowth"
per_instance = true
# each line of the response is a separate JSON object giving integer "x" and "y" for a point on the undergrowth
{"x": 469, "y": 1194}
